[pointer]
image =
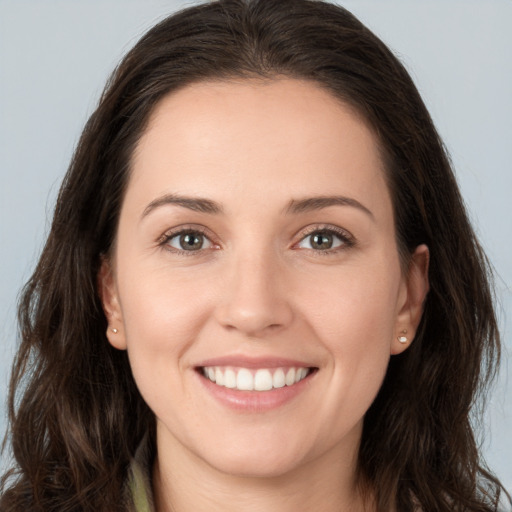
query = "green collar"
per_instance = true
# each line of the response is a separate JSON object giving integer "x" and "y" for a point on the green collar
{"x": 140, "y": 495}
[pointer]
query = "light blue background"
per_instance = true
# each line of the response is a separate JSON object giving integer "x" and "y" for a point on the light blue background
{"x": 56, "y": 55}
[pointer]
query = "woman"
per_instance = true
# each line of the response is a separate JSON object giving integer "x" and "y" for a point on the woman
{"x": 251, "y": 295}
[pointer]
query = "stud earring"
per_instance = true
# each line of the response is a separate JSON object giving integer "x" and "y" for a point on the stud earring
{"x": 402, "y": 338}
{"x": 114, "y": 330}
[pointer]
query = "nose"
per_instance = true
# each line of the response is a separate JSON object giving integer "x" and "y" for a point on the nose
{"x": 256, "y": 297}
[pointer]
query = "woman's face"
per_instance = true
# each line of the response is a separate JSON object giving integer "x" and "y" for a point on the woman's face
{"x": 255, "y": 281}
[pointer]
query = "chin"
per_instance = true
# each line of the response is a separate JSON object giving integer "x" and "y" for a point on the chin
{"x": 256, "y": 461}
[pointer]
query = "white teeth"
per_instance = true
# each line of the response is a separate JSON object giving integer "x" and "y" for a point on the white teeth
{"x": 244, "y": 380}
{"x": 278, "y": 380}
{"x": 230, "y": 379}
{"x": 263, "y": 379}
{"x": 300, "y": 374}
{"x": 290, "y": 377}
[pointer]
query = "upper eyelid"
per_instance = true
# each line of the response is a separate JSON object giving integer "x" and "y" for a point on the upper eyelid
{"x": 300, "y": 235}
{"x": 191, "y": 228}
{"x": 163, "y": 242}
{"x": 309, "y": 230}
{"x": 347, "y": 239}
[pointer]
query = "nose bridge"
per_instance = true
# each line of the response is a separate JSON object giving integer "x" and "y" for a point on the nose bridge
{"x": 256, "y": 298}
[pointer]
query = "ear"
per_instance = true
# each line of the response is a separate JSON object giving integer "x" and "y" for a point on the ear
{"x": 414, "y": 291}
{"x": 107, "y": 290}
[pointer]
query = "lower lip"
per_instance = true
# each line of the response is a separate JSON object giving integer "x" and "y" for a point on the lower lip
{"x": 255, "y": 401}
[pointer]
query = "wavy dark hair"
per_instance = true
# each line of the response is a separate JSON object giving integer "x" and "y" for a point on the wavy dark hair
{"x": 75, "y": 414}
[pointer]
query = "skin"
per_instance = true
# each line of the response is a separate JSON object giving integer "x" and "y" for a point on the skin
{"x": 258, "y": 287}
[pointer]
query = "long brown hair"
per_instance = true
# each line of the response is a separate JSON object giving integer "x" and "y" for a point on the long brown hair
{"x": 75, "y": 413}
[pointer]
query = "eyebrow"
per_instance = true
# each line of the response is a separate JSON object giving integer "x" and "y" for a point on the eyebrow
{"x": 317, "y": 203}
{"x": 295, "y": 206}
{"x": 196, "y": 204}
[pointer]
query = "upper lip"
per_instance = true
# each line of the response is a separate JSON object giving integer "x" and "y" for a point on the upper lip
{"x": 254, "y": 362}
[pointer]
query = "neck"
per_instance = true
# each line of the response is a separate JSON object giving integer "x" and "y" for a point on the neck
{"x": 184, "y": 482}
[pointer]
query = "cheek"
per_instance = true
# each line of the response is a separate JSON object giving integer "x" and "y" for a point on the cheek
{"x": 162, "y": 307}
{"x": 163, "y": 315}
{"x": 354, "y": 319}
{"x": 355, "y": 307}
{"x": 358, "y": 336}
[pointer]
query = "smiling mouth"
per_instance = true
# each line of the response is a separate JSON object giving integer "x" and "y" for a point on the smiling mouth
{"x": 262, "y": 379}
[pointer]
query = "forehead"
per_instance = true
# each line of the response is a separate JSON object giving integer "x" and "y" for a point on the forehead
{"x": 228, "y": 138}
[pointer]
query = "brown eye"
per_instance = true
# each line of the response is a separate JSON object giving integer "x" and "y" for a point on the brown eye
{"x": 189, "y": 241}
{"x": 322, "y": 240}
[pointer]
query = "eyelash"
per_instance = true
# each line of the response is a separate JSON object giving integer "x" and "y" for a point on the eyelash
{"x": 347, "y": 240}
{"x": 168, "y": 236}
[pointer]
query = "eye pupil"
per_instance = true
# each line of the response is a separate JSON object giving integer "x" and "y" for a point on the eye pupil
{"x": 191, "y": 241}
{"x": 321, "y": 241}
